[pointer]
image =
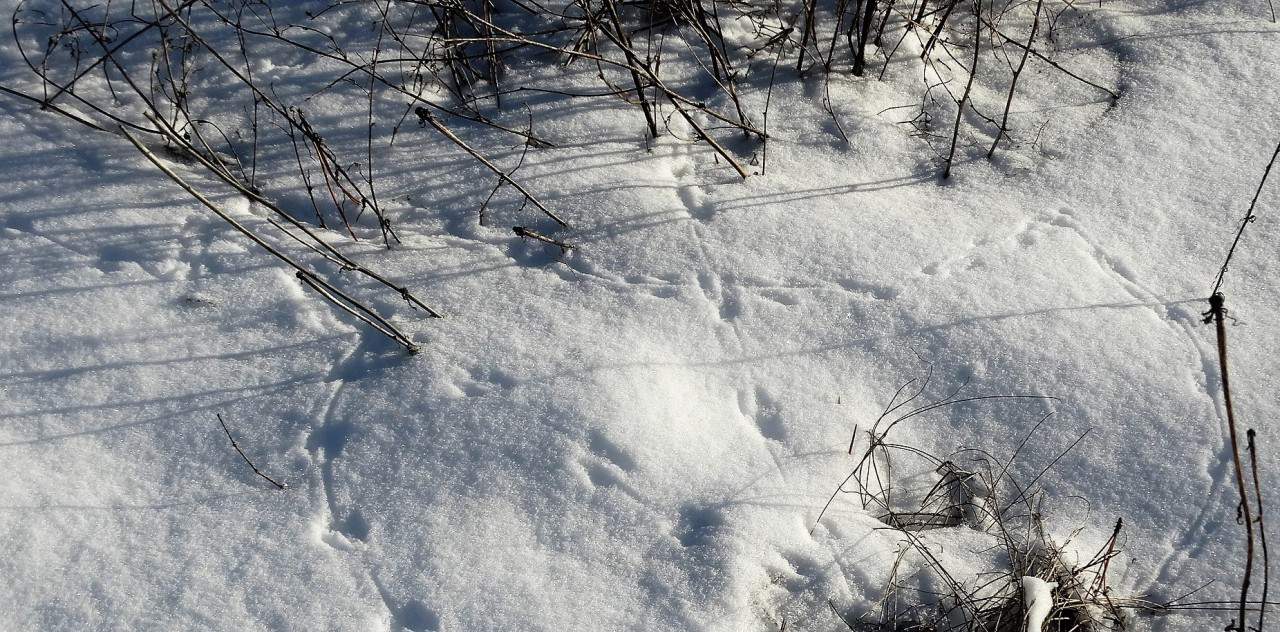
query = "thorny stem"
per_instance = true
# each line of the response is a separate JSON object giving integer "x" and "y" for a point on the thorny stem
{"x": 1248, "y": 219}
{"x": 1216, "y": 314}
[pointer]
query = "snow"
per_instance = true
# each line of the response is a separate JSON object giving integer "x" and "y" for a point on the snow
{"x": 1037, "y": 595}
{"x": 640, "y": 433}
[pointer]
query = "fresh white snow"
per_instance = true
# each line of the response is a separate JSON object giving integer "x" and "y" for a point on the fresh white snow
{"x": 1037, "y": 597}
{"x": 639, "y": 434}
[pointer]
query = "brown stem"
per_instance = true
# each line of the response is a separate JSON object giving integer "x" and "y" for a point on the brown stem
{"x": 1217, "y": 310}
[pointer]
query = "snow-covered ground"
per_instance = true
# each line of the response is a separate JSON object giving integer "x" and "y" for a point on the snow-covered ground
{"x": 640, "y": 433}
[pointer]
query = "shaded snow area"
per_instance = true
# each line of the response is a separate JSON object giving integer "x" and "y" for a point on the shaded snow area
{"x": 642, "y": 432}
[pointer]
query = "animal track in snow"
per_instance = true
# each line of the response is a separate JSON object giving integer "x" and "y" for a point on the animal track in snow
{"x": 799, "y": 573}
{"x": 604, "y": 474}
{"x": 698, "y": 525}
{"x": 327, "y": 443}
{"x": 1183, "y": 325}
{"x": 760, "y": 408}
{"x": 481, "y": 381}
{"x": 878, "y": 292}
{"x": 1028, "y": 234}
{"x": 413, "y": 615}
{"x": 725, "y": 296}
{"x": 354, "y": 526}
{"x": 609, "y": 451}
{"x": 606, "y": 464}
{"x": 790, "y": 293}
{"x": 574, "y": 267}
{"x": 691, "y": 194}
{"x": 783, "y": 297}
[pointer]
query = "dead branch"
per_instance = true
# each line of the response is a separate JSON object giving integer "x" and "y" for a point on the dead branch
{"x": 280, "y": 486}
